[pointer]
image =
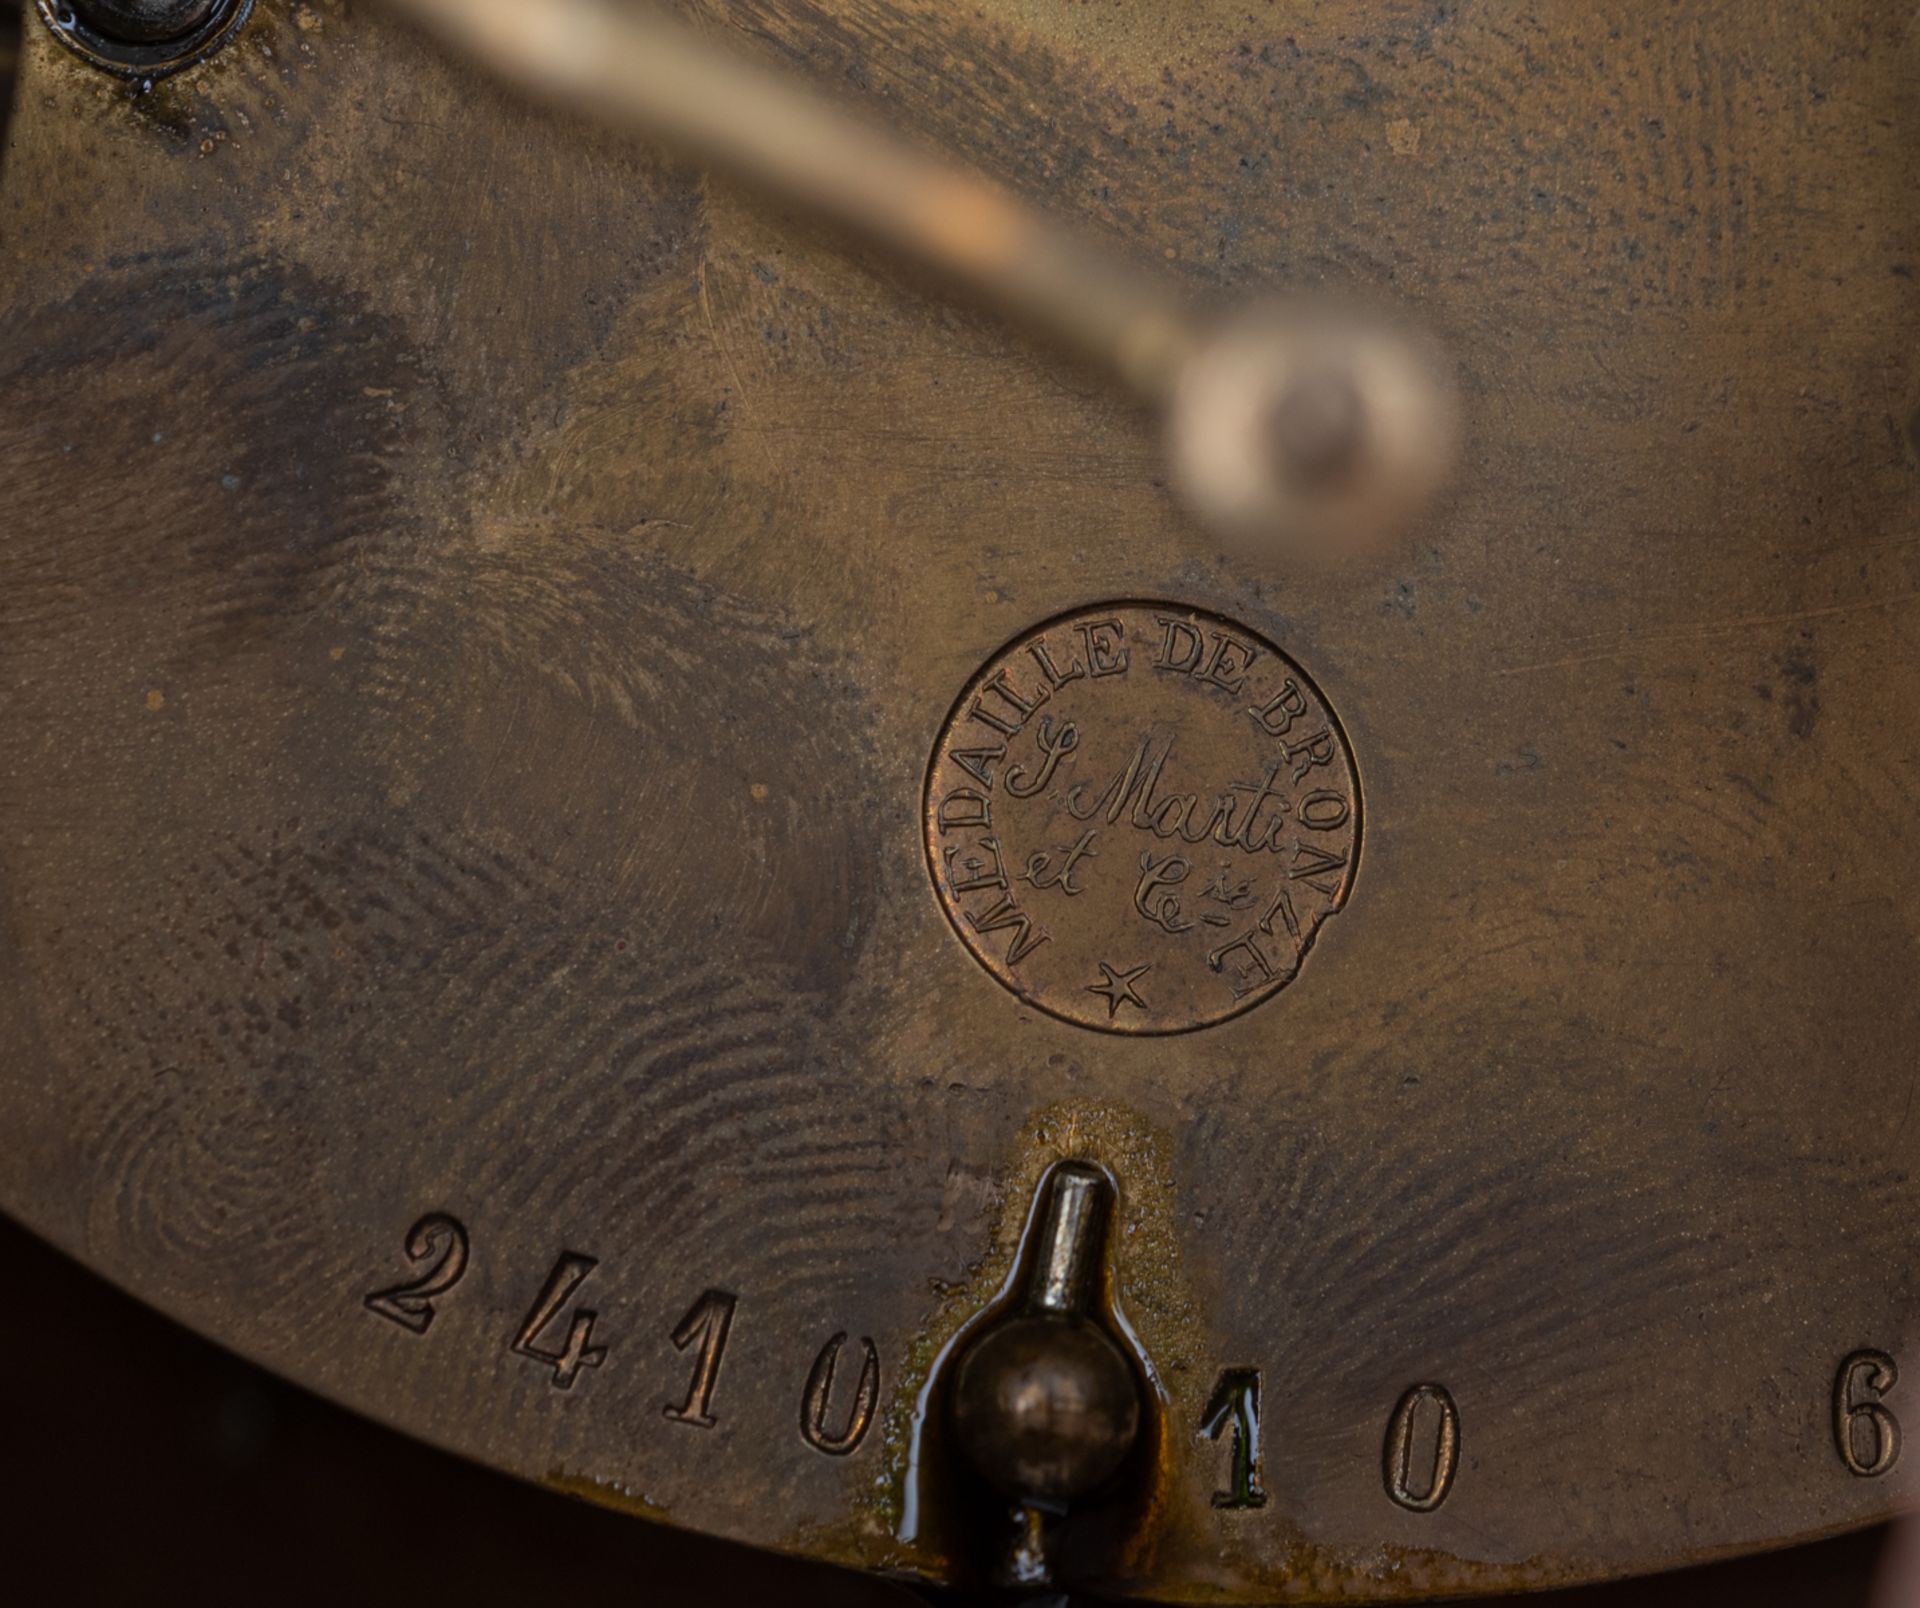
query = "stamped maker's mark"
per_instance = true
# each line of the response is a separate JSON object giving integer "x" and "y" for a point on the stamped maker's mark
{"x": 1138, "y": 817}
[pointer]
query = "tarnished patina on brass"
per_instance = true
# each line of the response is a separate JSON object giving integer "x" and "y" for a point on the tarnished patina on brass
{"x": 477, "y": 605}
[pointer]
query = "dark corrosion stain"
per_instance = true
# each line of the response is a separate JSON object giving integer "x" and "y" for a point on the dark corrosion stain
{"x": 316, "y": 725}
{"x": 703, "y": 762}
{"x": 1797, "y": 692}
{"x": 201, "y": 450}
{"x": 505, "y": 238}
{"x": 1801, "y": 696}
{"x": 345, "y": 824}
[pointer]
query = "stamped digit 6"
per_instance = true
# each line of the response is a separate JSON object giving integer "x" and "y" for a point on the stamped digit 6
{"x": 1866, "y": 1433}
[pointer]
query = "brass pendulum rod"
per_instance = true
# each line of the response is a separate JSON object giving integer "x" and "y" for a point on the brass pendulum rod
{"x": 1298, "y": 421}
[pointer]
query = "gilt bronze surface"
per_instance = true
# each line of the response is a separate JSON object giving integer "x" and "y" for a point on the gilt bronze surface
{"x": 482, "y": 608}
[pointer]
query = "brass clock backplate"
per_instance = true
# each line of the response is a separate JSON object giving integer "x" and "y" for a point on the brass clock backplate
{"x": 480, "y": 608}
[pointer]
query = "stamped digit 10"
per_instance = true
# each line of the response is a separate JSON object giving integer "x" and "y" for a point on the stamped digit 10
{"x": 1866, "y": 1433}
{"x": 1422, "y": 1402}
{"x": 819, "y": 1392}
{"x": 1235, "y": 1412}
{"x": 707, "y": 1322}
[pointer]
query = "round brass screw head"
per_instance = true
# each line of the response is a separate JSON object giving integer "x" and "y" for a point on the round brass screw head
{"x": 144, "y": 22}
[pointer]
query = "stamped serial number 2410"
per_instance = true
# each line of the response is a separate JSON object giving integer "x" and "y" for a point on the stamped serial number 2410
{"x": 1420, "y": 1455}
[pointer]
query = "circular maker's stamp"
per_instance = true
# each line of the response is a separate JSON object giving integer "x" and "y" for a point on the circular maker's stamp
{"x": 1138, "y": 815}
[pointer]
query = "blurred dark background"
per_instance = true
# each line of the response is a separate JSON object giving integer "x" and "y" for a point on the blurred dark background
{"x": 142, "y": 1465}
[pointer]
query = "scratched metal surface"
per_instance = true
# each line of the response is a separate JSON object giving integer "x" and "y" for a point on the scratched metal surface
{"x": 478, "y": 604}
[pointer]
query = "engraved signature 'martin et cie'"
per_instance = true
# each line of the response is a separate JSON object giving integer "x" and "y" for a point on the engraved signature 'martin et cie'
{"x": 1145, "y": 804}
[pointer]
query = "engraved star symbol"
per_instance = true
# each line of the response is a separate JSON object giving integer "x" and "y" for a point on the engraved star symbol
{"x": 1116, "y": 988}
